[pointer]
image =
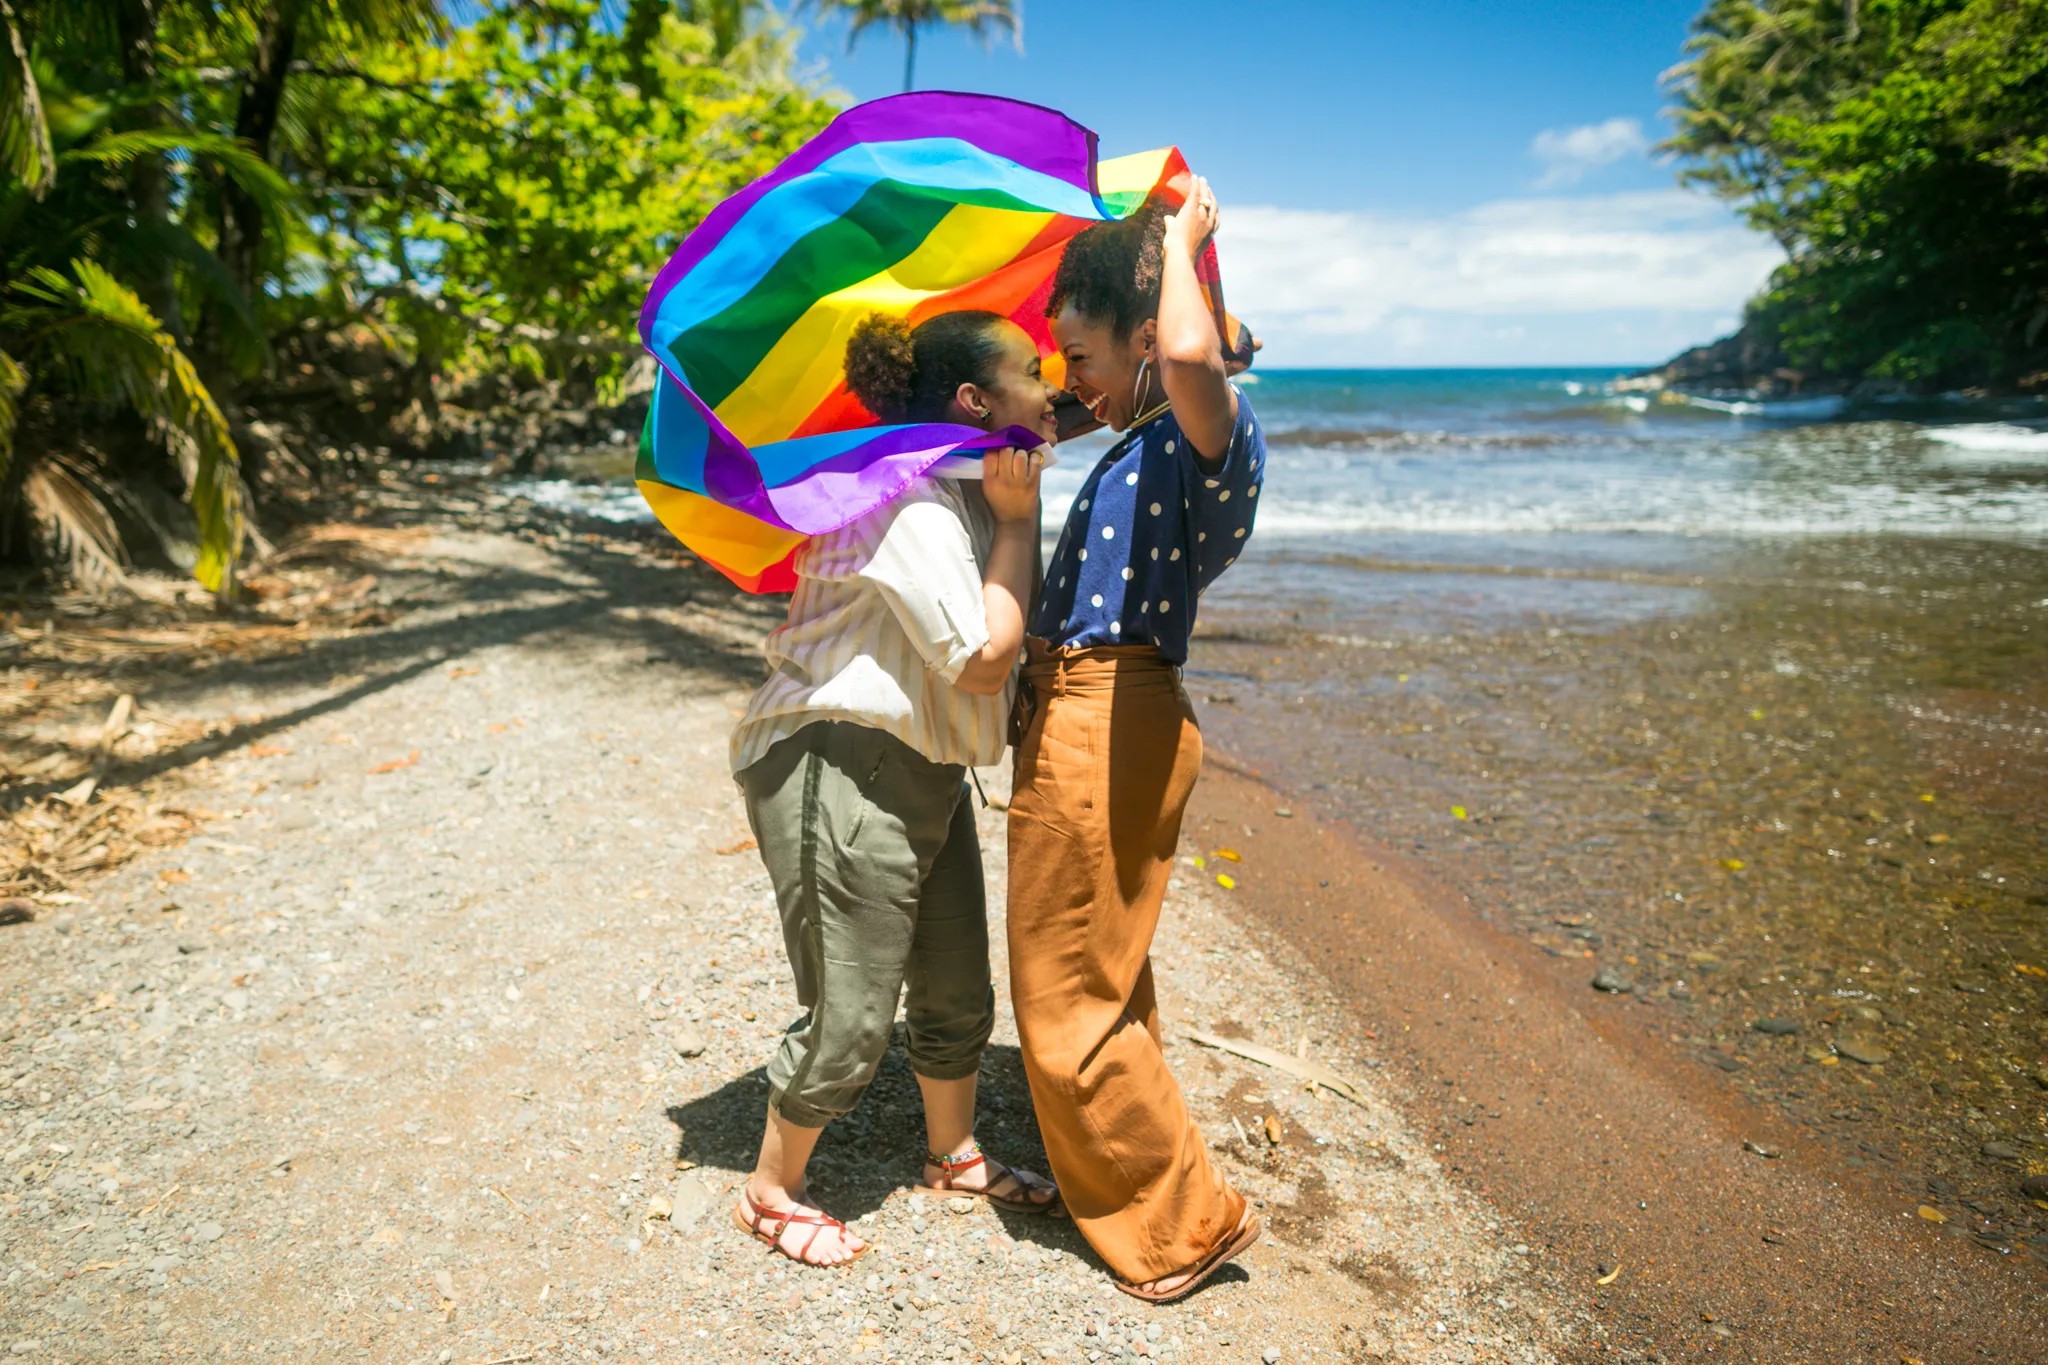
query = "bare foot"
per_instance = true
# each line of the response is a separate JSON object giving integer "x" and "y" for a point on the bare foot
{"x": 802, "y": 1232}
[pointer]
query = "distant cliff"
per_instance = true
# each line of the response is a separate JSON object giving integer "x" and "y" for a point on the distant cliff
{"x": 1749, "y": 360}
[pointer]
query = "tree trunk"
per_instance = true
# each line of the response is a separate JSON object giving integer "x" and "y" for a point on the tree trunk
{"x": 262, "y": 96}
{"x": 149, "y": 180}
{"x": 910, "y": 57}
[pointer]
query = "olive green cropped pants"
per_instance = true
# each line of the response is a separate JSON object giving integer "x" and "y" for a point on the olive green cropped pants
{"x": 877, "y": 872}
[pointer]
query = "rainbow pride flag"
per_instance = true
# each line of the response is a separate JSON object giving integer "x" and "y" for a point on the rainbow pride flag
{"x": 910, "y": 206}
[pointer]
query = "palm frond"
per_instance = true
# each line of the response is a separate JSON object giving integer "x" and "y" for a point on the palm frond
{"x": 244, "y": 344}
{"x": 13, "y": 379}
{"x": 235, "y": 159}
{"x": 399, "y": 20}
{"x": 984, "y": 18}
{"x": 24, "y": 130}
{"x": 118, "y": 349}
{"x": 65, "y": 504}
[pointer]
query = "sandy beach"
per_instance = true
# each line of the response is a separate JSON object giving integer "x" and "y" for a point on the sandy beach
{"x": 439, "y": 1037}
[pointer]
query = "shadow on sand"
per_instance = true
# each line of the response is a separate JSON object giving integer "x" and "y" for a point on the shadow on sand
{"x": 878, "y": 1149}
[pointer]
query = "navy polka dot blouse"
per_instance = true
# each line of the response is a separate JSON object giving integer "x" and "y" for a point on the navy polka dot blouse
{"x": 1149, "y": 532}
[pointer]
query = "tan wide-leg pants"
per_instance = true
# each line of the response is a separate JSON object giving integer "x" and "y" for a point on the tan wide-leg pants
{"x": 1103, "y": 775}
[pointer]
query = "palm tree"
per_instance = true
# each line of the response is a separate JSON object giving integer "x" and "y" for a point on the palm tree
{"x": 103, "y": 236}
{"x": 982, "y": 18}
{"x": 77, "y": 212}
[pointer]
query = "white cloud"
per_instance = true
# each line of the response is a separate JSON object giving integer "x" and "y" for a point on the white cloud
{"x": 1568, "y": 153}
{"x": 1615, "y": 278}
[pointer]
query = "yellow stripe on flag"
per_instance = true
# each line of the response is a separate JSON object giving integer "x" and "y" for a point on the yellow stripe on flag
{"x": 809, "y": 360}
{"x": 719, "y": 534}
{"x": 1138, "y": 173}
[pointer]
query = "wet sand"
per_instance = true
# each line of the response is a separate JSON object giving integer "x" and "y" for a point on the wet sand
{"x": 1722, "y": 806}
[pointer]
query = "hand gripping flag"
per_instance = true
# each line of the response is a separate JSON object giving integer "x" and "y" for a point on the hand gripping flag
{"x": 910, "y": 206}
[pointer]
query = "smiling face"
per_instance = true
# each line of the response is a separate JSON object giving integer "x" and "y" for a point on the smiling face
{"x": 1016, "y": 394}
{"x": 1101, "y": 370}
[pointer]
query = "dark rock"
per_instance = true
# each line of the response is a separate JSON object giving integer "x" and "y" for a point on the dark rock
{"x": 2035, "y": 1187}
{"x": 1748, "y": 359}
{"x": 1862, "y": 1050}
{"x": 1610, "y": 980}
{"x": 1777, "y": 1028}
{"x": 2000, "y": 1151}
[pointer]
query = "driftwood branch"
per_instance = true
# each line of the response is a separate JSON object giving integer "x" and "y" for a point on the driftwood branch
{"x": 1303, "y": 1068}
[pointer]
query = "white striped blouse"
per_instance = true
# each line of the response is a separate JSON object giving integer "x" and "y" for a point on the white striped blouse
{"x": 887, "y": 612}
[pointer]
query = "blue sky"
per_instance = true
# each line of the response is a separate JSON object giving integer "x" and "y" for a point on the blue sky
{"x": 1434, "y": 183}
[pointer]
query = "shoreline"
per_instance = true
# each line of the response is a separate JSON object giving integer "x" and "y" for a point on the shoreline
{"x": 1550, "y": 1101}
{"x": 1794, "y": 812}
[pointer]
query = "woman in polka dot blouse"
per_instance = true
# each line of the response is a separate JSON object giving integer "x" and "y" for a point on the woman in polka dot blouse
{"x": 1111, "y": 748}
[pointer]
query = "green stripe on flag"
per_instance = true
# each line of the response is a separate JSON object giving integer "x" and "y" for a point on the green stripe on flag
{"x": 883, "y": 226}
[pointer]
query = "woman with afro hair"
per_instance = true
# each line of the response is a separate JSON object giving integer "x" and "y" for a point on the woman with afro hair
{"x": 1110, "y": 749}
{"x": 893, "y": 675}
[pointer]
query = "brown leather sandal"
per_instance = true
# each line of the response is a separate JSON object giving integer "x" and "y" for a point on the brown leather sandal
{"x": 1247, "y": 1232}
{"x": 1026, "y": 1183}
{"x": 750, "y": 1223}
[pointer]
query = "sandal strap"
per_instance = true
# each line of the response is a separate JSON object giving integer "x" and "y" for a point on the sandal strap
{"x": 784, "y": 1218}
{"x": 998, "y": 1172}
{"x": 1025, "y": 1182}
{"x": 964, "y": 1161}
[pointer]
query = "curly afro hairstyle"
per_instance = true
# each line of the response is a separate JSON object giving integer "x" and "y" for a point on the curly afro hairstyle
{"x": 904, "y": 374}
{"x": 1111, "y": 271}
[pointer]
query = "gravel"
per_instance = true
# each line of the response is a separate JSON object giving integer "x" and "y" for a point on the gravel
{"x": 406, "y": 1058}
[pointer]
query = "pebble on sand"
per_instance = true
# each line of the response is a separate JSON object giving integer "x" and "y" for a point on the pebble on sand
{"x": 1777, "y": 1028}
{"x": 1862, "y": 1050}
{"x": 1610, "y": 980}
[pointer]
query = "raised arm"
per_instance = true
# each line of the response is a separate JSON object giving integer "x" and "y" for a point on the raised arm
{"x": 1190, "y": 353}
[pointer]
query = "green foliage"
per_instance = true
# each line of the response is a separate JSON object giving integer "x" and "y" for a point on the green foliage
{"x": 24, "y": 131}
{"x": 1899, "y": 150}
{"x": 480, "y": 185}
{"x": 526, "y": 185}
{"x": 111, "y": 347}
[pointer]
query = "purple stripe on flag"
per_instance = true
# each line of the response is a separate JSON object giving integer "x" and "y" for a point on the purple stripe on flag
{"x": 1031, "y": 135}
{"x": 848, "y": 486}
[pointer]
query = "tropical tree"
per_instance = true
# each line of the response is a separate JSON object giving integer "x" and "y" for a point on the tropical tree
{"x": 531, "y": 174}
{"x": 1898, "y": 149}
{"x": 92, "y": 277}
{"x": 478, "y": 184}
{"x": 985, "y": 19}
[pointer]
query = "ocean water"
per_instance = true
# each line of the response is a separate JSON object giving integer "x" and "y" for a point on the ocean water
{"x": 1553, "y": 469}
{"x": 1746, "y": 702}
